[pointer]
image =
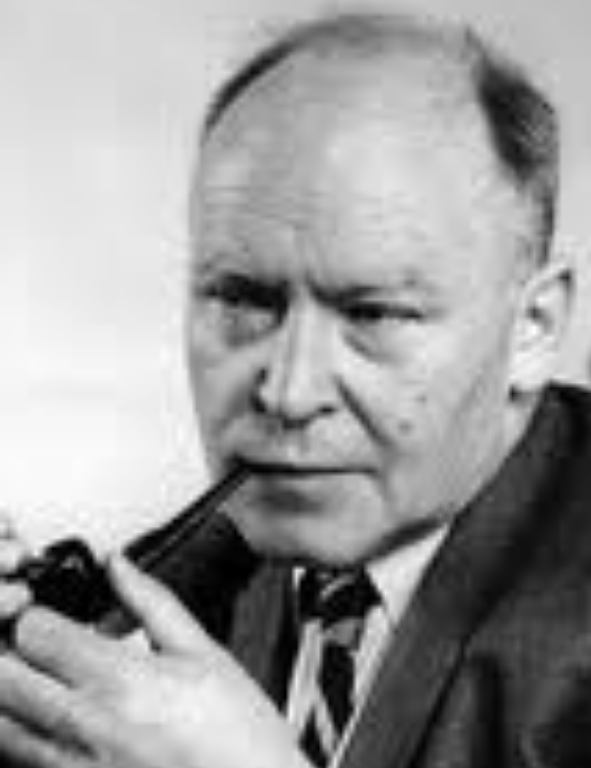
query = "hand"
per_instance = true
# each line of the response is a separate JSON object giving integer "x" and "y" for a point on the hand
{"x": 70, "y": 697}
{"x": 15, "y": 596}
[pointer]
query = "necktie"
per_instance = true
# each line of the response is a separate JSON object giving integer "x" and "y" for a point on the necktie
{"x": 338, "y": 605}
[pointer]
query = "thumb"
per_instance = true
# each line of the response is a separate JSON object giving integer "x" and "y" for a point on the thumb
{"x": 168, "y": 624}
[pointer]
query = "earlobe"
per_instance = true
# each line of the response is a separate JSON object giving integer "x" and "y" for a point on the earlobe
{"x": 546, "y": 307}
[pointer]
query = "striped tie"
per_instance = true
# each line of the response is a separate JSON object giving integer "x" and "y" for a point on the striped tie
{"x": 339, "y": 605}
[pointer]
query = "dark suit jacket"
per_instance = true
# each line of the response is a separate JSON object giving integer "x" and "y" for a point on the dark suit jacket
{"x": 491, "y": 666}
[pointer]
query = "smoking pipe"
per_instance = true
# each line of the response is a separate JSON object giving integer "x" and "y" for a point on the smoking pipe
{"x": 196, "y": 547}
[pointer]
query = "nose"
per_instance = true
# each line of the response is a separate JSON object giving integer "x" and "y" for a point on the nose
{"x": 297, "y": 380}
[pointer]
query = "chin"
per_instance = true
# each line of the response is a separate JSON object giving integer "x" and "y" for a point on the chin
{"x": 303, "y": 542}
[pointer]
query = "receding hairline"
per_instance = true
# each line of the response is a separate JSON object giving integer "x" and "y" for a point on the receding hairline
{"x": 353, "y": 37}
{"x": 522, "y": 126}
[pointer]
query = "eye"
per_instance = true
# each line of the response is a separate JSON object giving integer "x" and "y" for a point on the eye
{"x": 241, "y": 308}
{"x": 373, "y": 312}
{"x": 380, "y": 326}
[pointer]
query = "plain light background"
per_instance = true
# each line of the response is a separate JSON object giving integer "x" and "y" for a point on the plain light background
{"x": 99, "y": 100}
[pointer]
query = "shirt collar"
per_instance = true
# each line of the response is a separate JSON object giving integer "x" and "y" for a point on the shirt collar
{"x": 396, "y": 575}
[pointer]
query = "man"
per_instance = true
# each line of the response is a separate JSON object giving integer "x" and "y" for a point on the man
{"x": 374, "y": 321}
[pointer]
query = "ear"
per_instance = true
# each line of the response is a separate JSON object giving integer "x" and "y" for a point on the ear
{"x": 544, "y": 313}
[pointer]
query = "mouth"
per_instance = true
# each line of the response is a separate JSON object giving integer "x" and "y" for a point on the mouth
{"x": 284, "y": 469}
{"x": 282, "y": 490}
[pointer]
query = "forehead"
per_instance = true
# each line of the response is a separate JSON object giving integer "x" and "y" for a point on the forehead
{"x": 342, "y": 150}
{"x": 310, "y": 92}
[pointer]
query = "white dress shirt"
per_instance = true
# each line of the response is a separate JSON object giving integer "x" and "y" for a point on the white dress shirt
{"x": 396, "y": 578}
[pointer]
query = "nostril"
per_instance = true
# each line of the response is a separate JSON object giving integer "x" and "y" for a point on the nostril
{"x": 295, "y": 383}
{"x": 286, "y": 404}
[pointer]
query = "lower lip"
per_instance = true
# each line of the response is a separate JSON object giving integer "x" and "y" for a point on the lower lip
{"x": 289, "y": 486}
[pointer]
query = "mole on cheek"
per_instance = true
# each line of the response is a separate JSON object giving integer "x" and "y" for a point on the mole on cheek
{"x": 405, "y": 427}
{"x": 406, "y": 424}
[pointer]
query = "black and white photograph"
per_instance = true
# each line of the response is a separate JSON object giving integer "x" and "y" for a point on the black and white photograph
{"x": 295, "y": 392}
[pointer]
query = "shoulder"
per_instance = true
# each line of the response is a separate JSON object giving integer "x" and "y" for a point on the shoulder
{"x": 543, "y": 607}
{"x": 561, "y": 430}
{"x": 544, "y": 614}
{"x": 570, "y": 404}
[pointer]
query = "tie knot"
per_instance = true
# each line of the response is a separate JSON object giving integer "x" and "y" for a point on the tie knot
{"x": 334, "y": 598}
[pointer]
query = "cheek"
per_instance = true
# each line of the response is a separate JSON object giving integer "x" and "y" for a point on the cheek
{"x": 422, "y": 406}
{"x": 204, "y": 349}
{"x": 222, "y": 386}
{"x": 207, "y": 372}
{"x": 396, "y": 406}
{"x": 417, "y": 407}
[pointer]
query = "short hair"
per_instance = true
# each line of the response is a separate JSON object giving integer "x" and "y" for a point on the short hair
{"x": 522, "y": 123}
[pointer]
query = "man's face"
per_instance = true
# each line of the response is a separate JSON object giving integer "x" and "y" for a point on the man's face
{"x": 352, "y": 314}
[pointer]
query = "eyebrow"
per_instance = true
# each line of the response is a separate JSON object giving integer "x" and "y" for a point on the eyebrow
{"x": 235, "y": 256}
{"x": 409, "y": 282}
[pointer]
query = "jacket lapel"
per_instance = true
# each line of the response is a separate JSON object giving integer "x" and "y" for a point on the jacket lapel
{"x": 263, "y": 636}
{"x": 475, "y": 566}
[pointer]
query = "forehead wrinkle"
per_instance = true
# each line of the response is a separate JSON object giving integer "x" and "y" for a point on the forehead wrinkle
{"x": 233, "y": 206}
{"x": 282, "y": 190}
{"x": 312, "y": 202}
{"x": 316, "y": 218}
{"x": 324, "y": 262}
{"x": 294, "y": 211}
{"x": 315, "y": 235}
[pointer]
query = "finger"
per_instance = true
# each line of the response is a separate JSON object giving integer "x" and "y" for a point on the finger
{"x": 14, "y": 551}
{"x": 14, "y": 598}
{"x": 13, "y": 555}
{"x": 168, "y": 624}
{"x": 41, "y": 705}
{"x": 25, "y": 748}
{"x": 71, "y": 653}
